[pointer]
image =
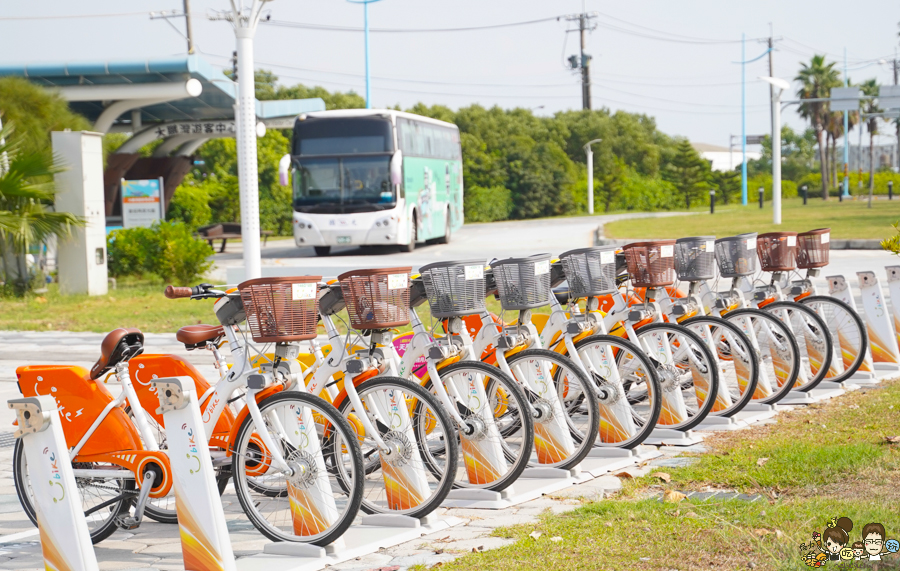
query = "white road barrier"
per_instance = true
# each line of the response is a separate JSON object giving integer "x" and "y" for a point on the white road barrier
{"x": 205, "y": 545}
{"x": 65, "y": 539}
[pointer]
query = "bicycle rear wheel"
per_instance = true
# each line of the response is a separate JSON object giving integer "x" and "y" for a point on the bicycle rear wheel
{"x": 496, "y": 442}
{"x": 848, "y": 333}
{"x": 627, "y": 416}
{"x": 813, "y": 339}
{"x": 569, "y": 414}
{"x": 777, "y": 353}
{"x": 304, "y": 505}
{"x": 687, "y": 373}
{"x": 738, "y": 369}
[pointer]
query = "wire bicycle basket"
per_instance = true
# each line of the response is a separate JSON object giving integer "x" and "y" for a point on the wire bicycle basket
{"x": 281, "y": 309}
{"x": 651, "y": 264}
{"x": 813, "y": 248}
{"x": 590, "y": 271}
{"x": 777, "y": 251}
{"x": 376, "y": 298}
{"x": 736, "y": 255}
{"x": 695, "y": 258}
{"x": 454, "y": 289}
{"x": 523, "y": 283}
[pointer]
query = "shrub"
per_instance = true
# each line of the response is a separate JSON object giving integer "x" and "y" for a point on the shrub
{"x": 168, "y": 250}
{"x": 788, "y": 188}
{"x": 487, "y": 204}
{"x": 190, "y": 205}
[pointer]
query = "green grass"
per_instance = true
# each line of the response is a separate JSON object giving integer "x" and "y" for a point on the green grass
{"x": 823, "y": 461}
{"x": 848, "y": 219}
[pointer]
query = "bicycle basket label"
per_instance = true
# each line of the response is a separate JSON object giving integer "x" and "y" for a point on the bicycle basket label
{"x": 542, "y": 267}
{"x": 303, "y": 291}
{"x": 474, "y": 272}
{"x": 710, "y": 245}
{"x": 608, "y": 257}
{"x": 666, "y": 251}
{"x": 792, "y": 241}
{"x": 826, "y": 237}
{"x": 751, "y": 243}
{"x": 398, "y": 281}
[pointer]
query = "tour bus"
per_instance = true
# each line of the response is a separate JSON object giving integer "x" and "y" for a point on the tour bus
{"x": 366, "y": 177}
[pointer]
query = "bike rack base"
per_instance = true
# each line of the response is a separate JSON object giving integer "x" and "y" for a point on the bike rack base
{"x": 720, "y": 423}
{"x": 373, "y": 533}
{"x": 671, "y": 437}
{"x": 603, "y": 460}
{"x": 532, "y": 484}
{"x": 815, "y": 395}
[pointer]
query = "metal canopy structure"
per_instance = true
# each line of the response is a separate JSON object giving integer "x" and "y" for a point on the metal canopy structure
{"x": 184, "y": 101}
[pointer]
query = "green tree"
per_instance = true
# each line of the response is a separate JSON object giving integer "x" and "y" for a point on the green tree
{"x": 688, "y": 172}
{"x": 35, "y": 112}
{"x": 727, "y": 184}
{"x": 798, "y": 154}
{"x": 817, "y": 79}
{"x": 870, "y": 106}
{"x": 27, "y": 218}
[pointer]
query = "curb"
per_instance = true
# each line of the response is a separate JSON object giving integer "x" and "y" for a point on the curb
{"x": 601, "y": 240}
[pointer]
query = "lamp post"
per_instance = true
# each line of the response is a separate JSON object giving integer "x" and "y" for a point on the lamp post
{"x": 365, "y": 4}
{"x": 590, "y": 173}
{"x": 780, "y": 86}
{"x": 245, "y": 20}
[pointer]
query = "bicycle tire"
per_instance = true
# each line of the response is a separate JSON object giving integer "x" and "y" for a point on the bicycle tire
{"x": 525, "y": 425}
{"x": 862, "y": 346}
{"x": 653, "y": 393}
{"x": 827, "y": 342}
{"x": 746, "y": 394}
{"x": 584, "y": 438}
{"x": 333, "y": 421}
{"x": 445, "y": 483}
{"x": 789, "y": 345}
{"x": 99, "y": 533}
{"x": 712, "y": 382}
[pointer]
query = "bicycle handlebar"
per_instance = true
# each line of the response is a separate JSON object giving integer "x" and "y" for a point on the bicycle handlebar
{"x": 173, "y": 292}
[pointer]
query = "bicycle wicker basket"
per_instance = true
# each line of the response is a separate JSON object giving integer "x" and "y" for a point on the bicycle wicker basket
{"x": 695, "y": 258}
{"x": 777, "y": 251}
{"x": 281, "y": 309}
{"x": 523, "y": 283}
{"x": 377, "y": 298}
{"x": 454, "y": 289}
{"x": 813, "y": 248}
{"x": 736, "y": 255}
{"x": 590, "y": 271}
{"x": 651, "y": 264}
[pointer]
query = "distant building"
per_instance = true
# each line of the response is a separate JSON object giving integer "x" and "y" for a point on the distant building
{"x": 721, "y": 158}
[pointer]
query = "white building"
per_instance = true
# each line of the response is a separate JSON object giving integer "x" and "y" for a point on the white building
{"x": 721, "y": 158}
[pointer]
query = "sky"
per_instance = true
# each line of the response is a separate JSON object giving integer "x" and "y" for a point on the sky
{"x": 675, "y": 61}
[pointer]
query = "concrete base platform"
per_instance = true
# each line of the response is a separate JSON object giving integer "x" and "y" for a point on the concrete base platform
{"x": 604, "y": 460}
{"x": 375, "y": 532}
{"x": 532, "y": 484}
{"x": 671, "y": 437}
{"x": 815, "y": 395}
{"x": 738, "y": 421}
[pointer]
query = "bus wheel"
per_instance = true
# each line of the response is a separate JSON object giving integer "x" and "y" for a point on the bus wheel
{"x": 322, "y": 250}
{"x": 413, "y": 234}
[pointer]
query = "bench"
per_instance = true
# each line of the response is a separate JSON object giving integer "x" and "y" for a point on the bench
{"x": 225, "y": 231}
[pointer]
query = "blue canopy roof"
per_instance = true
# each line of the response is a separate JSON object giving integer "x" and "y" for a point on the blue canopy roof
{"x": 216, "y": 101}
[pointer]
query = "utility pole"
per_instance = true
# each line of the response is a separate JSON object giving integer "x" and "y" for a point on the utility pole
{"x": 189, "y": 28}
{"x": 896, "y": 63}
{"x": 771, "y": 44}
{"x": 583, "y": 63}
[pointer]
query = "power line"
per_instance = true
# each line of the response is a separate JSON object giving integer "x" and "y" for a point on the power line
{"x": 72, "y": 16}
{"x": 330, "y": 28}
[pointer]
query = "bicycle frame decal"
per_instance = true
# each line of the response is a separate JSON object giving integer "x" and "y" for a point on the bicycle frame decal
{"x": 877, "y": 321}
{"x": 839, "y": 289}
{"x": 313, "y": 509}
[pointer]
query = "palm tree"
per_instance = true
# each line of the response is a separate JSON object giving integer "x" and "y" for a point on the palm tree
{"x": 816, "y": 79}
{"x": 870, "y": 87}
{"x": 27, "y": 218}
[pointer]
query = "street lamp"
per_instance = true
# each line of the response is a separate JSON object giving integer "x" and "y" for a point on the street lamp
{"x": 590, "y": 173}
{"x": 780, "y": 86}
{"x": 245, "y": 22}
{"x": 365, "y": 4}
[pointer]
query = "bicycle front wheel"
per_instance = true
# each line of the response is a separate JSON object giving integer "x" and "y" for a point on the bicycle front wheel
{"x": 497, "y": 436}
{"x": 628, "y": 389}
{"x": 738, "y": 369}
{"x": 848, "y": 334}
{"x": 412, "y": 425}
{"x": 687, "y": 373}
{"x": 568, "y": 421}
{"x": 304, "y": 502}
{"x": 813, "y": 339}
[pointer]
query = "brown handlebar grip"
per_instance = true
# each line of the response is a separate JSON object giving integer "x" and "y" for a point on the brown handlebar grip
{"x": 173, "y": 292}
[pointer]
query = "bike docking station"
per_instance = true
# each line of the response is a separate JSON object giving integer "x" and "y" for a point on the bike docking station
{"x": 65, "y": 539}
{"x": 673, "y": 437}
{"x": 839, "y": 289}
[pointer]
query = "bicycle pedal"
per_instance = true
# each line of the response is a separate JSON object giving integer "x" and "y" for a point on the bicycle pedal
{"x": 127, "y": 523}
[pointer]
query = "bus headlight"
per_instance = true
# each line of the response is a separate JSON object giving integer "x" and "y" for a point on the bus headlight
{"x": 384, "y": 222}
{"x": 303, "y": 225}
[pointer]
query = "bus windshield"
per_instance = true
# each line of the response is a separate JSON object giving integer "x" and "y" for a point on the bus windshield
{"x": 342, "y": 185}
{"x": 343, "y": 136}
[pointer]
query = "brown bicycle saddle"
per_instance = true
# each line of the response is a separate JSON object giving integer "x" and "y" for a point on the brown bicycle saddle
{"x": 118, "y": 345}
{"x": 195, "y": 336}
